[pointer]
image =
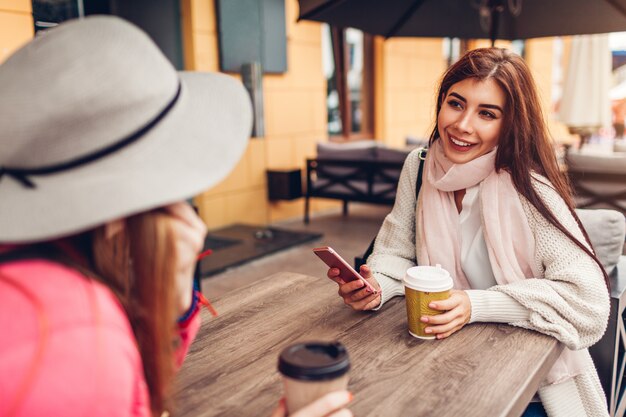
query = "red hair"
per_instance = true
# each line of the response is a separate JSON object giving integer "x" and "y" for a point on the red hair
{"x": 138, "y": 264}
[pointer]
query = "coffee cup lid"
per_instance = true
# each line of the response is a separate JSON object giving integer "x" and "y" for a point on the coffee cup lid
{"x": 428, "y": 278}
{"x": 314, "y": 361}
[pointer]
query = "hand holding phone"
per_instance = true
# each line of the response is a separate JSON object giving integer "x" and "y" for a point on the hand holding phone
{"x": 346, "y": 272}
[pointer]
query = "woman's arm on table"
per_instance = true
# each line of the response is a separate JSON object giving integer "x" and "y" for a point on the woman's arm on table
{"x": 571, "y": 301}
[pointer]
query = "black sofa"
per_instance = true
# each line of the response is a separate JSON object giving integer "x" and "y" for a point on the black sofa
{"x": 362, "y": 171}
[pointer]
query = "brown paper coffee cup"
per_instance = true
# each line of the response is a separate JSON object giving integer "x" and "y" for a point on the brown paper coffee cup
{"x": 300, "y": 393}
{"x": 423, "y": 284}
{"x": 311, "y": 370}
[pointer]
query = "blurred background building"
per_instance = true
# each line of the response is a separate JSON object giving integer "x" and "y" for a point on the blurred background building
{"x": 318, "y": 83}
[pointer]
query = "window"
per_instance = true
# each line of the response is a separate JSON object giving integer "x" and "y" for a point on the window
{"x": 557, "y": 72}
{"x": 47, "y": 14}
{"x": 160, "y": 19}
{"x": 452, "y": 49}
{"x": 348, "y": 68}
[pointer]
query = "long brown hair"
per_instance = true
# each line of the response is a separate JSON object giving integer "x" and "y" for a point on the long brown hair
{"x": 138, "y": 265}
{"x": 525, "y": 146}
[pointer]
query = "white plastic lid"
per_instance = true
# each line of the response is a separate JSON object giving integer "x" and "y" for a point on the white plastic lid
{"x": 428, "y": 278}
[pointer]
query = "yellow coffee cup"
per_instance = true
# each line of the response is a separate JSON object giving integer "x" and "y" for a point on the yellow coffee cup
{"x": 422, "y": 285}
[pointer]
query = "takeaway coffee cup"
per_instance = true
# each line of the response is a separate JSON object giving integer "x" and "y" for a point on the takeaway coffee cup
{"x": 423, "y": 284}
{"x": 312, "y": 369}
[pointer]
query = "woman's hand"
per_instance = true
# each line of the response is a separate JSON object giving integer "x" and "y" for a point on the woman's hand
{"x": 353, "y": 292}
{"x": 458, "y": 309}
{"x": 330, "y": 405}
{"x": 189, "y": 232}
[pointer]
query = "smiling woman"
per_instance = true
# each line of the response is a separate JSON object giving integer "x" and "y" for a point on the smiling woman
{"x": 495, "y": 212}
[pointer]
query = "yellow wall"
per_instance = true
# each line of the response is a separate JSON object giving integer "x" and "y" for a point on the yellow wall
{"x": 295, "y": 118}
{"x": 408, "y": 71}
{"x": 16, "y": 25}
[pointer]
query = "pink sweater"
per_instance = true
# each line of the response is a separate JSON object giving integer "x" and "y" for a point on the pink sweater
{"x": 66, "y": 346}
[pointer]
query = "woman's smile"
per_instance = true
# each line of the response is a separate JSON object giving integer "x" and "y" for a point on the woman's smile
{"x": 462, "y": 145}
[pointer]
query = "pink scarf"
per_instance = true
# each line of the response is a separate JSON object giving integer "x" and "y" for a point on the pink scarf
{"x": 510, "y": 242}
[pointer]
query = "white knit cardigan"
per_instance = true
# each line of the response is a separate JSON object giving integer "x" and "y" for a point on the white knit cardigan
{"x": 569, "y": 302}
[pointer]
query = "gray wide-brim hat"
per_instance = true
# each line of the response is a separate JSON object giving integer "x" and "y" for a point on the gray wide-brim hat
{"x": 96, "y": 124}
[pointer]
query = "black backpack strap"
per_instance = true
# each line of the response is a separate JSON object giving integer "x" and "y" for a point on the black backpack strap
{"x": 420, "y": 172}
{"x": 358, "y": 261}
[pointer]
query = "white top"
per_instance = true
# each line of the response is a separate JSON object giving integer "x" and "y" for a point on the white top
{"x": 474, "y": 253}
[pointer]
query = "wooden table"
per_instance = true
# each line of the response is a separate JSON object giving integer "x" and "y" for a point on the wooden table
{"x": 483, "y": 370}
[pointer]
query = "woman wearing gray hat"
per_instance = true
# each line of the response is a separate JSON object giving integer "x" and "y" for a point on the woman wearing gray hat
{"x": 101, "y": 141}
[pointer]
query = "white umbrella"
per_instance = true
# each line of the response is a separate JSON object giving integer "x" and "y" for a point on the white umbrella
{"x": 585, "y": 103}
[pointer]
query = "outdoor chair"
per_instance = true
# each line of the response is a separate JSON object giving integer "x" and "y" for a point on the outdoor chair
{"x": 363, "y": 171}
{"x": 598, "y": 180}
{"x": 606, "y": 229}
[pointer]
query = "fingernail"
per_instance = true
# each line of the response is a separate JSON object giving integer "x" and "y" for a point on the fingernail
{"x": 439, "y": 336}
{"x": 369, "y": 290}
{"x": 429, "y": 330}
{"x": 432, "y": 305}
{"x": 350, "y": 396}
{"x": 424, "y": 319}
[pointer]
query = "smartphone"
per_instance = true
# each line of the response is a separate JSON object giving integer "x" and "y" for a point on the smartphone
{"x": 346, "y": 272}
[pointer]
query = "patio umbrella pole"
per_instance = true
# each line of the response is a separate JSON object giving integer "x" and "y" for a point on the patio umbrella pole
{"x": 496, "y": 7}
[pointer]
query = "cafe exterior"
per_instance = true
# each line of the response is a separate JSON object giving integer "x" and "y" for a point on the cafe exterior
{"x": 390, "y": 99}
